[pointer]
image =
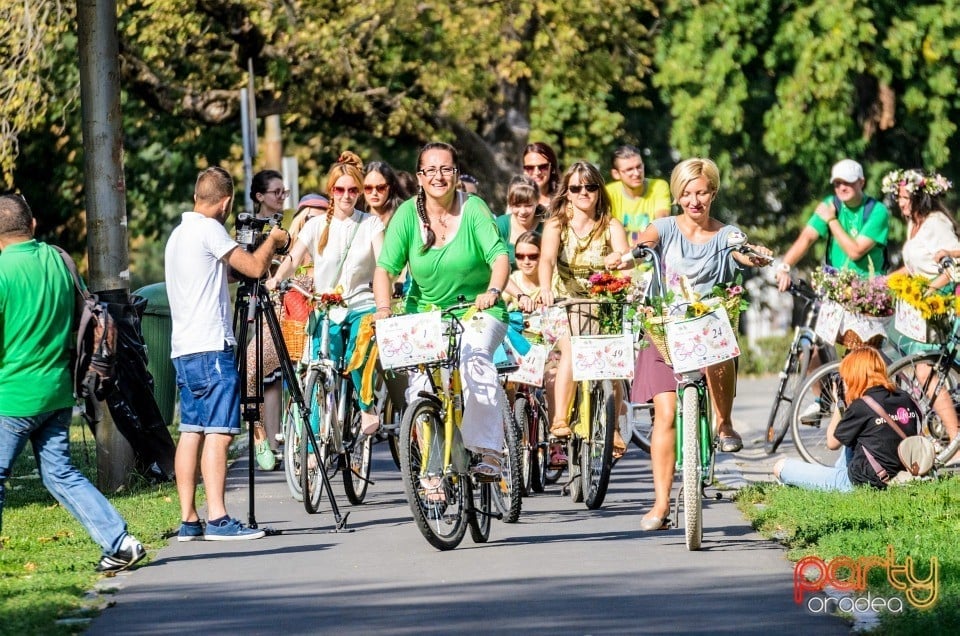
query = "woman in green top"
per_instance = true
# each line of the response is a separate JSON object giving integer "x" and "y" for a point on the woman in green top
{"x": 450, "y": 242}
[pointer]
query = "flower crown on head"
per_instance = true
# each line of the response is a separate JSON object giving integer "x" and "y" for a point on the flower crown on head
{"x": 915, "y": 181}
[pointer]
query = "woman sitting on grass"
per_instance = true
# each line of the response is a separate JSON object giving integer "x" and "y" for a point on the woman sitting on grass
{"x": 868, "y": 439}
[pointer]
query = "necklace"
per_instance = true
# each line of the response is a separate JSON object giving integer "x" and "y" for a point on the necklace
{"x": 443, "y": 224}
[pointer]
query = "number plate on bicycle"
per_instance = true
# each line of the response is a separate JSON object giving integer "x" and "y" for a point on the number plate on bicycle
{"x": 701, "y": 342}
{"x": 602, "y": 357}
{"x": 531, "y": 366}
{"x": 409, "y": 340}
{"x": 909, "y": 321}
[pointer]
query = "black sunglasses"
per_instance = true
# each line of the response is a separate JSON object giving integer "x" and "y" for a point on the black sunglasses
{"x": 589, "y": 187}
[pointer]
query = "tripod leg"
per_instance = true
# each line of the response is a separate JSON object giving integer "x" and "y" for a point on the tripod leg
{"x": 289, "y": 376}
{"x": 245, "y": 314}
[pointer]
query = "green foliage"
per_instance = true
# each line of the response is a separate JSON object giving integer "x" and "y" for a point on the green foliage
{"x": 918, "y": 520}
{"x": 765, "y": 356}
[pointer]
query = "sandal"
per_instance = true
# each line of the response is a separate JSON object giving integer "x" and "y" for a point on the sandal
{"x": 489, "y": 468}
{"x": 560, "y": 430}
{"x": 619, "y": 446}
{"x": 558, "y": 457}
{"x": 433, "y": 490}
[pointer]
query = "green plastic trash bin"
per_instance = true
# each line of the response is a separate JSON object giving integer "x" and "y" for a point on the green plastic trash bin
{"x": 157, "y": 328}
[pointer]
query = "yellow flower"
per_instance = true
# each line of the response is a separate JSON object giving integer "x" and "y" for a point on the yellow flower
{"x": 936, "y": 304}
{"x": 699, "y": 308}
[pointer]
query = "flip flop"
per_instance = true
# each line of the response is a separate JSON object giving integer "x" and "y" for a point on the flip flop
{"x": 489, "y": 468}
{"x": 433, "y": 490}
{"x": 619, "y": 447}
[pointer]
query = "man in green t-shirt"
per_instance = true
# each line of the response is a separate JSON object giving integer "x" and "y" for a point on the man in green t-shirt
{"x": 854, "y": 224}
{"x": 36, "y": 390}
{"x": 635, "y": 200}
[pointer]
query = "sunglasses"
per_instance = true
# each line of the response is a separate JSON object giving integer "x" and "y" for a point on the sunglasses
{"x": 339, "y": 192}
{"x": 527, "y": 257}
{"x": 381, "y": 188}
{"x": 539, "y": 167}
{"x": 589, "y": 187}
{"x": 280, "y": 193}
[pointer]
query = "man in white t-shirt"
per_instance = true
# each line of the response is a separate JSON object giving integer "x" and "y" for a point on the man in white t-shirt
{"x": 197, "y": 257}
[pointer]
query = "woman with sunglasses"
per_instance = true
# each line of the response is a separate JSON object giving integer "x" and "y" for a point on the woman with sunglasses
{"x": 344, "y": 245}
{"x": 580, "y": 237}
{"x": 522, "y": 213}
{"x": 451, "y": 245}
{"x": 381, "y": 190}
{"x": 540, "y": 164}
{"x": 693, "y": 253}
{"x": 268, "y": 194}
{"x": 523, "y": 286}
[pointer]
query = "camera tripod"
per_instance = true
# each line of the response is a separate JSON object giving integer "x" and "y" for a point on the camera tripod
{"x": 254, "y": 307}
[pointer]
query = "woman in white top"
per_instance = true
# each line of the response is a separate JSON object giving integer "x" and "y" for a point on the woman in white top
{"x": 344, "y": 245}
{"x": 932, "y": 233}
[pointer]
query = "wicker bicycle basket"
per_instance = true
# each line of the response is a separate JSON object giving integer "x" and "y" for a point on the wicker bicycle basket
{"x": 294, "y": 337}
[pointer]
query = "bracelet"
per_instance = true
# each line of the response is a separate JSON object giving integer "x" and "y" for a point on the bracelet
{"x": 387, "y": 308}
{"x": 522, "y": 295}
{"x": 784, "y": 267}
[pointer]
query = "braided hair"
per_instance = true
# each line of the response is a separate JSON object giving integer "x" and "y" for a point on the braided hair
{"x": 348, "y": 164}
{"x": 421, "y": 201}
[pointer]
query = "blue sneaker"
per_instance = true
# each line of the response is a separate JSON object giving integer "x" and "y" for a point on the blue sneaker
{"x": 229, "y": 529}
{"x": 190, "y": 531}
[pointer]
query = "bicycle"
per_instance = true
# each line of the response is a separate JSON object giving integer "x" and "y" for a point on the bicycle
{"x": 530, "y": 414}
{"x": 333, "y": 420}
{"x": 695, "y": 442}
{"x": 594, "y": 413}
{"x": 508, "y": 489}
{"x": 805, "y": 345}
{"x": 443, "y": 497}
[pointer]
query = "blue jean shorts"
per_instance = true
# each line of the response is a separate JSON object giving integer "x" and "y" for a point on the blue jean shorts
{"x": 209, "y": 392}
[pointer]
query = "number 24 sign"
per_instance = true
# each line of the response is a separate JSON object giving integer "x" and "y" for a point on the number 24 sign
{"x": 702, "y": 341}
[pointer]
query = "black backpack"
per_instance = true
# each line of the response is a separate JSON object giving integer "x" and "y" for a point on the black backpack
{"x": 868, "y": 205}
{"x": 95, "y": 355}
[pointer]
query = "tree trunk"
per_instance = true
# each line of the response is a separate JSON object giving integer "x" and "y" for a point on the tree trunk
{"x": 105, "y": 189}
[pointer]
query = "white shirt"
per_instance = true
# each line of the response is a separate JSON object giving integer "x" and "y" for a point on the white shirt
{"x": 354, "y": 237}
{"x": 196, "y": 276}
{"x": 935, "y": 233}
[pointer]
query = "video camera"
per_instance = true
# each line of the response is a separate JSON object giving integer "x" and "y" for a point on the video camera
{"x": 251, "y": 229}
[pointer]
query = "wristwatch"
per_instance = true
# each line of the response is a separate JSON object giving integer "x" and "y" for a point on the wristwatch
{"x": 494, "y": 290}
{"x": 784, "y": 267}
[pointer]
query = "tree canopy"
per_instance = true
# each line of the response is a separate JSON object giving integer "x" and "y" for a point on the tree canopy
{"x": 774, "y": 91}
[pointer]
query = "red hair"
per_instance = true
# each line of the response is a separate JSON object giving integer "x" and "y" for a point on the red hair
{"x": 861, "y": 369}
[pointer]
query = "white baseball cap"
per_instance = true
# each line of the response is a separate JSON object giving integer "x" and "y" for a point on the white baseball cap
{"x": 846, "y": 170}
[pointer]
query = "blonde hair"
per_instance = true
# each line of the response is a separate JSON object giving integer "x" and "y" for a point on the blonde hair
{"x": 690, "y": 169}
{"x": 348, "y": 164}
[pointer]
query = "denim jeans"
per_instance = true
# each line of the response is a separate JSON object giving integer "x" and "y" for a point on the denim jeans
{"x": 49, "y": 433}
{"x": 796, "y": 472}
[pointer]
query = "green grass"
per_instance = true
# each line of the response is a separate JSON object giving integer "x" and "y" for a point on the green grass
{"x": 920, "y": 521}
{"x": 47, "y": 559}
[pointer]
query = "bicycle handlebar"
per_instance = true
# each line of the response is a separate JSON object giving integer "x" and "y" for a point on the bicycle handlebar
{"x": 289, "y": 285}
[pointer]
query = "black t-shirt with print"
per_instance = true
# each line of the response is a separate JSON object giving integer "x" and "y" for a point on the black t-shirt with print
{"x": 861, "y": 427}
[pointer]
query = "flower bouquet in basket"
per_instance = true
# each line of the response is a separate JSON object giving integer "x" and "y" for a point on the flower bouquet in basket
{"x": 616, "y": 289}
{"x": 867, "y": 303}
{"x": 935, "y": 306}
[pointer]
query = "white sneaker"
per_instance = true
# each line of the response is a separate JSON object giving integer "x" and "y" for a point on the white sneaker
{"x": 812, "y": 414}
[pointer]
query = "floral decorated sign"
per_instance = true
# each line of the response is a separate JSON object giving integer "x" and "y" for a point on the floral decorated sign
{"x": 602, "y": 357}
{"x": 910, "y": 322}
{"x": 554, "y": 324}
{"x": 701, "y": 342}
{"x": 531, "y": 366}
{"x": 829, "y": 321}
{"x": 412, "y": 339}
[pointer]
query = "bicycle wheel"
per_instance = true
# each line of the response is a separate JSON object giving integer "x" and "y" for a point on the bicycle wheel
{"x": 798, "y": 361}
{"x": 311, "y": 483}
{"x": 540, "y": 453}
{"x": 293, "y": 438}
{"x": 922, "y": 377}
{"x": 506, "y": 495}
{"x": 390, "y": 425}
{"x": 574, "y": 448}
{"x": 356, "y": 475}
{"x": 479, "y": 516}
{"x": 596, "y": 454}
{"x": 811, "y": 414}
{"x": 527, "y": 445}
{"x": 692, "y": 470}
{"x": 439, "y": 512}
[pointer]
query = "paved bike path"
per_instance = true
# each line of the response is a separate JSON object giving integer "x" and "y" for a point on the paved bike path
{"x": 562, "y": 569}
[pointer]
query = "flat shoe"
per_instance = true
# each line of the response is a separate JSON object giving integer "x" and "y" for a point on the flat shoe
{"x": 265, "y": 457}
{"x": 649, "y": 524}
{"x": 730, "y": 444}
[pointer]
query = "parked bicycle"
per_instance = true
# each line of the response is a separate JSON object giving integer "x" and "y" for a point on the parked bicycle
{"x": 806, "y": 351}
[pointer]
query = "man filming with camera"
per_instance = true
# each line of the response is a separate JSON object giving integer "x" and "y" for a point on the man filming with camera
{"x": 198, "y": 258}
